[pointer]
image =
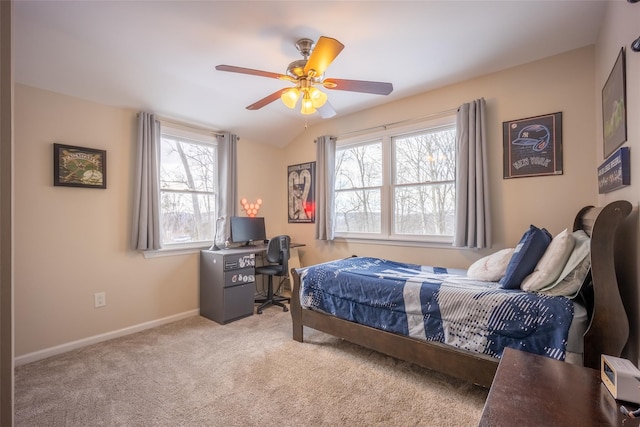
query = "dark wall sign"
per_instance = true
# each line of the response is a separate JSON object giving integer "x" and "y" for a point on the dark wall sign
{"x": 533, "y": 146}
{"x": 615, "y": 172}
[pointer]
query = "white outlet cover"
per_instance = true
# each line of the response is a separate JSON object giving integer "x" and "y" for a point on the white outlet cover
{"x": 100, "y": 299}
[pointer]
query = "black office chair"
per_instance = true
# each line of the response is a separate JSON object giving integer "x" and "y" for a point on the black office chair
{"x": 278, "y": 259}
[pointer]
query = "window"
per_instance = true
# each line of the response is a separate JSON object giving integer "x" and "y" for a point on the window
{"x": 397, "y": 184}
{"x": 188, "y": 186}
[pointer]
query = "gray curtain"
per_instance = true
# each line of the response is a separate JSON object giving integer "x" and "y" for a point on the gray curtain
{"x": 325, "y": 178}
{"x": 228, "y": 186}
{"x": 146, "y": 209}
{"x": 473, "y": 219}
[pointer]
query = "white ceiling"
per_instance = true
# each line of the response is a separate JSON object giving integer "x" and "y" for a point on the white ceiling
{"x": 159, "y": 56}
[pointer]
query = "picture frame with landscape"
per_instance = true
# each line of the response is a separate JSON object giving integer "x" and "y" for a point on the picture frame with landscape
{"x": 614, "y": 107}
{"x": 75, "y": 166}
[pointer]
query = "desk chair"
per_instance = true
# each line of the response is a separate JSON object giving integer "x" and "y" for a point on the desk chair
{"x": 278, "y": 259}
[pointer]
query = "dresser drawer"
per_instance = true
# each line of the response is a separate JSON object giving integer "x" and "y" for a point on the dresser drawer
{"x": 238, "y": 277}
{"x": 237, "y": 261}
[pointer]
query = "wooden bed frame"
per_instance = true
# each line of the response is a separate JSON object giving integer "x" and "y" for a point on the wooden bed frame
{"x": 607, "y": 332}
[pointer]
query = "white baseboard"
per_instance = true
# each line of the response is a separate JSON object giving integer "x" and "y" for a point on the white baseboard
{"x": 63, "y": 348}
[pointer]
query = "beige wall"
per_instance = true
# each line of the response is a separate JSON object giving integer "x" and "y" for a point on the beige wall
{"x": 560, "y": 83}
{"x": 261, "y": 175}
{"x": 73, "y": 242}
{"x": 620, "y": 28}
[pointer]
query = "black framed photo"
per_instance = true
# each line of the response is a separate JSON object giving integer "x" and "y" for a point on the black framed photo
{"x": 302, "y": 194}
{"x": 79, "y": 166}
{"x": 614, "y": 107}
{"x": 532, "y": 146}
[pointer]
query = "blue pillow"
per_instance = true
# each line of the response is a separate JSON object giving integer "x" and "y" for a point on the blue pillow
{"x": 525, "y": 257}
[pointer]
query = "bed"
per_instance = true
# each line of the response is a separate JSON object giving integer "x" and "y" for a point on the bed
{"x": 600, "y": 306}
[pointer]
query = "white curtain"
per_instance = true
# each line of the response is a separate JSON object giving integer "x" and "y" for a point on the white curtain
{"x": 325, "y": 177}
{"x": 228, "y": 185}
{"x": 146, "y": 209}
{"x": 473, "y": 219}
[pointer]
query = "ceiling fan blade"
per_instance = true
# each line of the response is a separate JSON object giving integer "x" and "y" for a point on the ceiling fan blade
{"x": 323, "y": 54}
{"x": 326, "y": 111}
{"x": 251, "y": 71}
{"x": 266, "y": 100}
{"x": 378, "y": 88}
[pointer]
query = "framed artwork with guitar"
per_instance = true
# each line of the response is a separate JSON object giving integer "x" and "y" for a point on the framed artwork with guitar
{"x": 301, "y": 191}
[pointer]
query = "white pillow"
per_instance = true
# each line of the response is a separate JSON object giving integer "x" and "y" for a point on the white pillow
{"x": 551, "y": 264}
{"x": 492, "y": 267}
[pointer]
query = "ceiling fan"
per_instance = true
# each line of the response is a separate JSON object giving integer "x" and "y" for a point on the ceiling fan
{"x": 306, "y": 74}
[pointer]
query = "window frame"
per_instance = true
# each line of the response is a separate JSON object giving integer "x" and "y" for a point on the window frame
{"x": 387, "y": 135}
{"x": 195, "y": 137}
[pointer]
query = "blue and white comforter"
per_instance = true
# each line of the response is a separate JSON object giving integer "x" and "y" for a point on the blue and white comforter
{"x": 438, "y": 304}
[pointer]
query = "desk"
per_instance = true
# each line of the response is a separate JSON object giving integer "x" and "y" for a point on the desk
{"x": 532, "y": 390}
{"x": 227, "y": 281}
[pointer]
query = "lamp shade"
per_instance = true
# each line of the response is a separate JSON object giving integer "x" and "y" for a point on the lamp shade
{"x": 307, "y": 105}
{"x": 290, "y": 97}
{"x": 318, "y": 98}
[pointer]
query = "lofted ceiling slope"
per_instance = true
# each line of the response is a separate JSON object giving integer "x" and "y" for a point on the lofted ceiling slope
{"x": 159, "y": 56}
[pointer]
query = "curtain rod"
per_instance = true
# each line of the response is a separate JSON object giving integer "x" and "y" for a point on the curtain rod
{"x": 188, "y": 126}
{"x": 401, "y": 122}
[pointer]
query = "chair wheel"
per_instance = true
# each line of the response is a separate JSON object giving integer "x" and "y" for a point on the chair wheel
{"x": 259, "y": 311}
{"x": 285, "y": 309}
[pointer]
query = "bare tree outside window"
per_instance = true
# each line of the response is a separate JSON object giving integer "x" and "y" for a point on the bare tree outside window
{"x": 358, "y": 182}
{"x": 188, "y": 187}
{"x": 398, "y": 185}
{"x": 424, "y": 190}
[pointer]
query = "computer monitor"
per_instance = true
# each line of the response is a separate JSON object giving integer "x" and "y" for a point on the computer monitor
{"x": 247, "y": 230}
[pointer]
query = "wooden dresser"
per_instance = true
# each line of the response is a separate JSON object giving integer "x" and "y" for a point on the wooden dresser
{"x": 532, "y": 390}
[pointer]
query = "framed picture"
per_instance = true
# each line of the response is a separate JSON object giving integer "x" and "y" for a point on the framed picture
{"x": 532, "y": 146}
{"x": 79, "y": 166}
{"x": 614, "y": 107}
{"x": 302, "y": 195}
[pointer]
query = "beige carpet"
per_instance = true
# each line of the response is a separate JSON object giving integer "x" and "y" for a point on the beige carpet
{"x": 248, "y": 373}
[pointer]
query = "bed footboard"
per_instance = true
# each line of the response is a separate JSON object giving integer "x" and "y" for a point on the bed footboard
{"x": 476, "y": 368}
{"x": 295, "y": 308}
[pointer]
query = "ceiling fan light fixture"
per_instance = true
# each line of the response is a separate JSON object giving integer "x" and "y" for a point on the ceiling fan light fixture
{"x": 318, "y": 98}
{"x": 290, "y": 97}
{"x": 306, "y": 73}
{"x": 307, "y": 105}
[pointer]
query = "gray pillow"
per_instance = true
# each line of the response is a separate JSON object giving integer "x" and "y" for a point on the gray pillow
{"x": 552, "y": 262}
{"x": 575, "y": 270}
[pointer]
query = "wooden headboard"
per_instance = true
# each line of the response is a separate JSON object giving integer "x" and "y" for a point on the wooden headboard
{"x": 608, "y": 329}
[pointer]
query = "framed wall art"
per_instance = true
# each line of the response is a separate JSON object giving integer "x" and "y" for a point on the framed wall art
{"x": 79, "y": 166}
{"x": 301, "y": 189}
{"x": 615, "y": 172}
{"x": 614, "y": 107}
{"x": 533, "y": 146}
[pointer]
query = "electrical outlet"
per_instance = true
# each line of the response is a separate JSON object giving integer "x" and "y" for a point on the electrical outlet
{"x": 99, "y": 299}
